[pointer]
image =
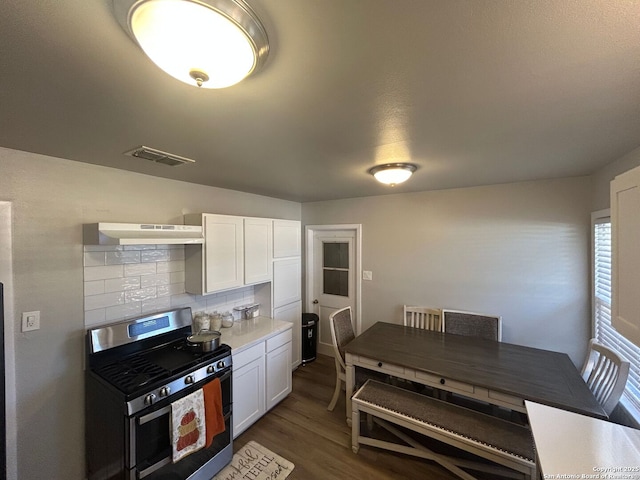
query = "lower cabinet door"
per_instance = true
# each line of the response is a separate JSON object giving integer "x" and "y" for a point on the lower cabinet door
{"x": 248, "y": 395}
{"x": 292, "y": 313}
{"x": 278, "y": 374}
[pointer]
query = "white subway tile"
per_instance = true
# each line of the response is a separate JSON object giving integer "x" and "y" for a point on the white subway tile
{"x": 154, "y": 280}
{"x": 176, "y": 254}
{"x": 181, "y": 300}
{"x": 94, "y": 288}
{"x": 102, "y": 248}
{"x": 156, "y": 305}
{"x": 154, "y": 256}
{"x": 234, "y": 296}
{"x": 168, "y": 267}
{"x": 120, "y": 258}
{"x": 121, "y": 312}
{"x": 133, "y": 269}
{"x": 140, "y": 247}
{"x": 176, "y": 277}
{"x": 94, "y": 317}
{"x": 140, "y": 295}
{"x": 103, "y": 273}
{"x": 93, "y": 302}
{"x": 122, "y": 284}
{"x": 176, "y": 288}
{"x": 163, "y": 291}
{"x": 94, "y": 259}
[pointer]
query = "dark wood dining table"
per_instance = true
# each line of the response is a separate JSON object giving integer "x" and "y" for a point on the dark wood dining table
{"x": 498, "y": 373}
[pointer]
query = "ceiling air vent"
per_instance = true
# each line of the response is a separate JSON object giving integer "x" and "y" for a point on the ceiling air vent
{"x": 158, "y": 156}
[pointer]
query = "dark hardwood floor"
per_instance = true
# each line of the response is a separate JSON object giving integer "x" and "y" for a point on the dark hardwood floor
{"x": 318, "y": 442}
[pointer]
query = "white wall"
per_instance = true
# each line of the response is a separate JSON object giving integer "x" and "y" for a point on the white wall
{"x": 518, "y": 250}
{"x": 51, "y": 199}
{"x": 602, "y": 178}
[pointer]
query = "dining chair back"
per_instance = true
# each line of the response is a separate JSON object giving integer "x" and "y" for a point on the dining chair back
{"x": 422, "y": 317}
{"x": 605, "y": 373}
{"x": 472, "y": 324}
{"x": 341, "y": 334}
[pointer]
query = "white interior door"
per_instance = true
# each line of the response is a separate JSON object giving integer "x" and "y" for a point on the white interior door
{"x": 334, "y": 279}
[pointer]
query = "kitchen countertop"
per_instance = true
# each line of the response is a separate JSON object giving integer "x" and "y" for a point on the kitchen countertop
{"x": 246, "y": 333}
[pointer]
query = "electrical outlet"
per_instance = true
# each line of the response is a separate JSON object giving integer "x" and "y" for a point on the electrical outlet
{"x": 30, "y": 321}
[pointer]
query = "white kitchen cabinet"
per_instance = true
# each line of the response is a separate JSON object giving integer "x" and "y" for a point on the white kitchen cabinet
{"x": 625, "y": 236}
{"x": 292, "y": 313}
{"x": 286, "y": 281}
{"x": 248, "y": 387}
{"x": 286, "y": 238}
{"x": 237, "y": 251}
{"x": 278, "y": 368}
{"x": 219, "y": 263}
{"x": 258, "y": 265}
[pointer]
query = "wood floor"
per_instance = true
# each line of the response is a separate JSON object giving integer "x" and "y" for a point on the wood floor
{"x": 318, "y": 442}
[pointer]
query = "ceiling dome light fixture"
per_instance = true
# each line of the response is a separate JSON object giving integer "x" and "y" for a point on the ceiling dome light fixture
{"x": 393, "y": 173}
{"x": 205, "y": 43}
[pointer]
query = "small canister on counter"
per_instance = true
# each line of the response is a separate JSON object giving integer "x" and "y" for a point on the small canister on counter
{"x": 215, "y": 320}
{"x": 201, "y": 321}
{"x": 227, "y": 320}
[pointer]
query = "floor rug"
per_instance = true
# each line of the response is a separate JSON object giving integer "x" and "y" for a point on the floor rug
{"x": 254, "y": 462}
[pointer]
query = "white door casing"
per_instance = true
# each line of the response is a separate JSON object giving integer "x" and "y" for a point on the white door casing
{"x": 6, "y": 277}
{"x": 316, "y": 237}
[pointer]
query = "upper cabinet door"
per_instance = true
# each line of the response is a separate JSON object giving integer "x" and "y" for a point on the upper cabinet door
{"x": 223, "y": 252}
{"x": 286, "y": 281}
{"x": 286, "y": 238}
{"x": 625, "y": 237}
{"x": 257, "y": 250}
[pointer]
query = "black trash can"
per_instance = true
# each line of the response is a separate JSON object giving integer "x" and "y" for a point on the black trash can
{"x": 309, "y": 337}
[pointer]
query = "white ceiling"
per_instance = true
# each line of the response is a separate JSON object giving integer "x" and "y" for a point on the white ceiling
{"x": 474, "y": 92}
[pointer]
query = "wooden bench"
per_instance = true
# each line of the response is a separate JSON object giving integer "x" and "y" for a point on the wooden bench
{"x": 504, "y": 443}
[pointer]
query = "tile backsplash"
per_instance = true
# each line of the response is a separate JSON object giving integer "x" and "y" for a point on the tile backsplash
{"x": 122, "y": 282}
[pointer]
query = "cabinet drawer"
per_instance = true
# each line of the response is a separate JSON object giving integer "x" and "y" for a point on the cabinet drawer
{"x": 448, "y": 384}
{"x": 381, "y": 366}
{"x": 503, "y": 398}
{"x": 279, "y": 340}
{"x": 248, "y": 355}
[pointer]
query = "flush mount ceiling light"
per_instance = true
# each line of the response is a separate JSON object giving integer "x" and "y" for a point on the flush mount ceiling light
{"x": 393, "y": 173}
{"x": 205, "y": 43}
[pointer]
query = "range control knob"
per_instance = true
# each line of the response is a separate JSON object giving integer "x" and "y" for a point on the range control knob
{"x": 165, "y": 391}
{"x": 188, "y": 379}
{"x": 210, "y": 369}
{"x": 220, "y": 364}
{"x": 148, "y": 400}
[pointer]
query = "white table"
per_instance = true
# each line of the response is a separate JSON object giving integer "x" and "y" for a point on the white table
{"x": 570, "y": 445}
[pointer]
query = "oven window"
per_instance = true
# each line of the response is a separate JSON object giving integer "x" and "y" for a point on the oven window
{"x": 153, "y": 441}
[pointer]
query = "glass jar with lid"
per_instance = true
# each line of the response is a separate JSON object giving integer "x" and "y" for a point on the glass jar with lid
{"x": 215, "y": 320}
{"x": 201, "y": 322}
{"x": 227, "y": 320}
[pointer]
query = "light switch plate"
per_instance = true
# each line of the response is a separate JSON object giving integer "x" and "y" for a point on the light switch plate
{"x": 30, "y": 321}
{"x": 367, "y": 275}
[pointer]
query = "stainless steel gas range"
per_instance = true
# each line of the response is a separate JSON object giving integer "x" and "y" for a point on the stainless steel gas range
{"x": 135, "y": 370}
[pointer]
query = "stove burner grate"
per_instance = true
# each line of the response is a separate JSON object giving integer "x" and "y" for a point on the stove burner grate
{"x": 132, "y": 373}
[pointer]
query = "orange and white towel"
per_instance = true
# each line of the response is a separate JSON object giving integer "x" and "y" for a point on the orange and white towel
{"x": 188, "y": 425}
{"x": 213, "y": 410}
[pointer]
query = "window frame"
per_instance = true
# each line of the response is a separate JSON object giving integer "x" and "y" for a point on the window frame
{"x": 630, "y": 401}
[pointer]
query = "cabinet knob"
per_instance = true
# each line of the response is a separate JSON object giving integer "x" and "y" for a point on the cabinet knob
{"x": 315, "y": 302}
{"x": 442, "y": 381}
{"x": 380, "y": 364}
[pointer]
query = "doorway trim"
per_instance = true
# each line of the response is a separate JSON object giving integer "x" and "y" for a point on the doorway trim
{"x": 310, "y": 231}
{"x": 6, "y": 277}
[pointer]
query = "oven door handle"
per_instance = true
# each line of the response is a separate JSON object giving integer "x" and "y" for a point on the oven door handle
{"x": 153, "y": 415}
{"x": 164, "y": 410}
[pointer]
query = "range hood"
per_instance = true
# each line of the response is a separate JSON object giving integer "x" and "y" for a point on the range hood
{"x": 141, "y": 234}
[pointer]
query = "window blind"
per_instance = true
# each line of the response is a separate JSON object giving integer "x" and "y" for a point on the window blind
{"x": 604, "y": 331}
